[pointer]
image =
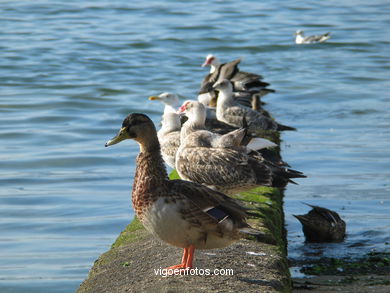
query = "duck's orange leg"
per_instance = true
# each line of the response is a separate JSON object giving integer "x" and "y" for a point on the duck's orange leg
{"x": 186, "y": 260}
{"x": 183, "y": 261}
{"x": 190, "y": 257}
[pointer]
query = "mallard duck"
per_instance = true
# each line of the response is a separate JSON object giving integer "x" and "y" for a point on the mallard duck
{"x": 182, "y": 213}
{"x": 301, "y": 39}
{"x": 322, "y": 225}
{"x": 224, "y": 162}
{"x": 232, "y": 113}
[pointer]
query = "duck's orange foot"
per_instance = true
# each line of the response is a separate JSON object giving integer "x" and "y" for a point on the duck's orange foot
{"x": 177, "y": 269}
{"x": 186, "y": 262}
{"x": 180, "y": 266}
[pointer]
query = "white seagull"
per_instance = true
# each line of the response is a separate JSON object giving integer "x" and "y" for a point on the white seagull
{"x": 301, "y": 39}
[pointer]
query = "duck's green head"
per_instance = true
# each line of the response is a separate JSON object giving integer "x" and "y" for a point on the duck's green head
{"x": 135, "y": 126}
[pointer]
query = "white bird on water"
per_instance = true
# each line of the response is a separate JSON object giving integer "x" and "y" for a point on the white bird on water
{"x": 301, "y": 39}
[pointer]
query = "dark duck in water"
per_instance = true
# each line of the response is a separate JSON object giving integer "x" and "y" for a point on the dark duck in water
{"x": 322, "y": 225}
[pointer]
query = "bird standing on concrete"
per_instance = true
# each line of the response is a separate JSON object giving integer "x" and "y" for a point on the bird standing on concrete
{"x": 181, "y": 213}
{"x": 232, "y": 113}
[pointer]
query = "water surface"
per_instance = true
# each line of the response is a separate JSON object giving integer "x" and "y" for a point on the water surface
{"x": 71, "y": 71}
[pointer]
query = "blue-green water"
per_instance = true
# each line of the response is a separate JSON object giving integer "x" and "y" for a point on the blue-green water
{"x": 71, "y": 70}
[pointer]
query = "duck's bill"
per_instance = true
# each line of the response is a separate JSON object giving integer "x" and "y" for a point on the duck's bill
{"x": 122, "y": 135}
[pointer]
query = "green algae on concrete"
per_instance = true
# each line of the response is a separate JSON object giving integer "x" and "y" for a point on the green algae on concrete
{"x": 132, "y": 232}
{"x": 269, "y": 210}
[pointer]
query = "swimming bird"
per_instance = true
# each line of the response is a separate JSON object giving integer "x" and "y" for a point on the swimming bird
{"x": 232, "y": 113}
{"x": 322, "y": 225}
{"x": 181, "y": 213}
{"x": 301, "y": 39}
{"x": 227, "y": 162}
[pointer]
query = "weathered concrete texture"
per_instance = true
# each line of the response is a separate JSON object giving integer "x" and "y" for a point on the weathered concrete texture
{"x": 259, "y": 265}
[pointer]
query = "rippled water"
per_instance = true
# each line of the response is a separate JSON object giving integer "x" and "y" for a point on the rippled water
{"x": 70, "y": 71}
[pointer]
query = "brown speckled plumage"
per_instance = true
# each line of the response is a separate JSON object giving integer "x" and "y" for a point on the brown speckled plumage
{"x": 181, "y": 213}
{"x": 149, "y": 181}
{"x": 223, "y": 164}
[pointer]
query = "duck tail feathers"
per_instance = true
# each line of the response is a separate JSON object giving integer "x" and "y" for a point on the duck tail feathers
{"x": 294, "y": 173}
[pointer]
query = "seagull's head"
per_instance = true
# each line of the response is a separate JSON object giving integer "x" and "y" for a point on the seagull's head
{"x": 299, "y": 33}
{"x": 210, "y": 61}
{"x": 224, "y": 85}
{"x": 169, "y": 99}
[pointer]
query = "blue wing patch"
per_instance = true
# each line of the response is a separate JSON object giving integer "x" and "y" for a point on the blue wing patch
{"x": 217, "y": 213}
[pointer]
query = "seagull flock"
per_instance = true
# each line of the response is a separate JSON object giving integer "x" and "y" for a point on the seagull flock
{"x": 216, "y": 143}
